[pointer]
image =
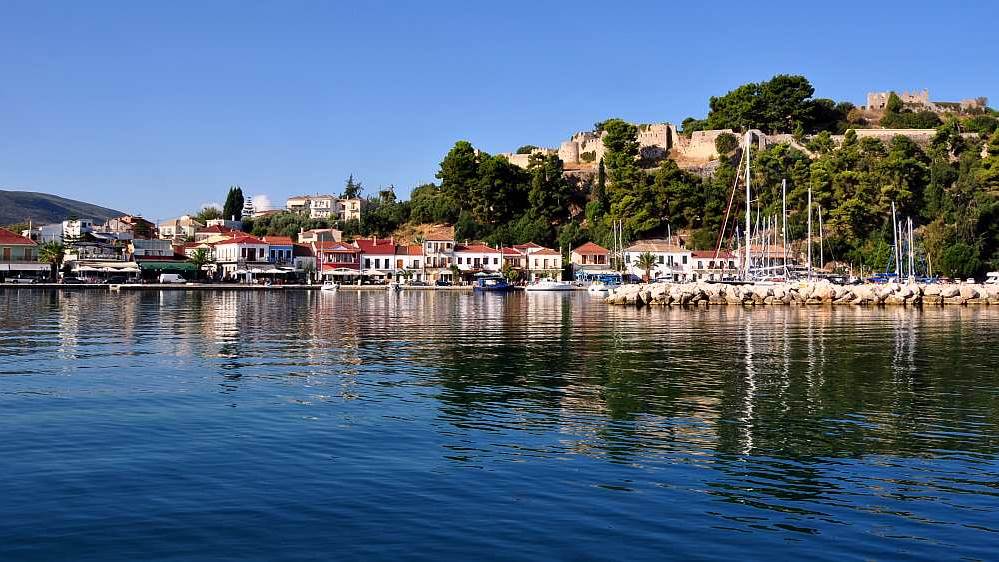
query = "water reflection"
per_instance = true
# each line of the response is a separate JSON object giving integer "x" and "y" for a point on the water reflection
{"x": 776, "y": 419}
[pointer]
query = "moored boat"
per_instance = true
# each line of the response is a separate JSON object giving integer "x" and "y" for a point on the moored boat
{"x": 550, "y": 285}
{"x": 330, "y": 286}
{"x": 491, "y": 284}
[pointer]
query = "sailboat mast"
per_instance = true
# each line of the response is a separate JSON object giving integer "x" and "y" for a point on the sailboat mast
{"x": 894, "y": 235}
{"x": 749, "y": 252}
{"x": 822, "y": 250}
{"x": 783, "y": 228}
{"x": 912, "y": 255}
{"x": 809, "y": 232}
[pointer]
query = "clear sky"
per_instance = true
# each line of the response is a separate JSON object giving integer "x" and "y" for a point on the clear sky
{"x": 157, "y": 107}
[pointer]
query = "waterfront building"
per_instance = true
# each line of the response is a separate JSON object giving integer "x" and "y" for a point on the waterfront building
{"x": 438, "y": 252}
{"x": 19, "y": 257}
{"x": 544, "y": 262}
{"x": 409, "y": 261}
{"x": 281, "y": 249}
{"x": 672, "y": 261}
{"x": 513, "y": 258}
{"x": 476, "y": 258}
{"x": 214, "y": 231}
{"x": 590, "y": 255}
{"x": 241, "y": 255}
{"x": 337, "y": 259}
{"x": 377, "y": 257}
{"x": 709, "y": 265}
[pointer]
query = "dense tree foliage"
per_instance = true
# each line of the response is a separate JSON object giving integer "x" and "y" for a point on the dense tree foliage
{"x": 779, "y": 105}
{"x": 233, "y": 208}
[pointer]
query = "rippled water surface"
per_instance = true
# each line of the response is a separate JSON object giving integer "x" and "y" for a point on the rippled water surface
{"x": 432, "y": 425}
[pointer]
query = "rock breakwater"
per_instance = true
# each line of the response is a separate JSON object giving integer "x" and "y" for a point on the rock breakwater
{"x": 802, "y": 293}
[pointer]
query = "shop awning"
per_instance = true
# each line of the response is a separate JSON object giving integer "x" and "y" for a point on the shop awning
{"x": 180, "y": 266}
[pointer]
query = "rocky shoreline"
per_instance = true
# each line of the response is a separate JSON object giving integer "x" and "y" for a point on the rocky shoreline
{"x": 802, "y": 293}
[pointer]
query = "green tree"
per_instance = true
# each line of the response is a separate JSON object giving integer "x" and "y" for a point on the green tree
{"x": 200, "y": 257}
{"x": 726, "y": 143}
{"x": 646, "y": 262}
{"x": 233, "y": 207}
{"x": 549, "y": 192}
{"x": 352, "y": 188}
{"x": 52, "y": 253}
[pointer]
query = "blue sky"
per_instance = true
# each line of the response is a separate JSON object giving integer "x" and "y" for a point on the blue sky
{"x": 157, "y": 107}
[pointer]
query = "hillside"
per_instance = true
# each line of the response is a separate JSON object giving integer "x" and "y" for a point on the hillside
{"x": 19, "y": 206}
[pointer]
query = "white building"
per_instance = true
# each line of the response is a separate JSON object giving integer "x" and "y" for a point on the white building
{"x": 477, "y": 257}
{"x": 181, "y": 227}
{"x": 77, "y": 228}
{"x": 328, "y": 207}
{"x": 544, "y": 262}
{"x": 45, "y": 233}
{"x": 672, "y": 261}
{"x": 242, "y": 253}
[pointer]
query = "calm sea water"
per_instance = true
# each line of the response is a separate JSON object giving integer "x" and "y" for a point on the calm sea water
{"x": 443, "y": 426}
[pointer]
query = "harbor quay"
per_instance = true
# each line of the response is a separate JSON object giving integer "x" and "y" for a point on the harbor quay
{"x": 803, "y": 293}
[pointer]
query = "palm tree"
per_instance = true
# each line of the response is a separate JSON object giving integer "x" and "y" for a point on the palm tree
{"x": 646, "y": 262}
{"x": 52, "y": 253}
{"x": 200, "y": 258}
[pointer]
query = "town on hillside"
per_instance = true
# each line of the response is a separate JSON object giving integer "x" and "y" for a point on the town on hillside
{"x": 832, "y": 183}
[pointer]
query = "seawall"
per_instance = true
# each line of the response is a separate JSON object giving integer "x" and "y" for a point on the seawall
{"x": 803, "y": 293}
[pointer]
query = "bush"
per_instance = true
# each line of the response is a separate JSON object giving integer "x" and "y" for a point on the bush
{"x": 725, "y": 143}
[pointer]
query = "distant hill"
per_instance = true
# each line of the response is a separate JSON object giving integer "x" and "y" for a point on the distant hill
{"x": 41, "y": 208}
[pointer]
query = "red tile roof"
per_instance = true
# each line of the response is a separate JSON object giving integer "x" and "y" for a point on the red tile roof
{"x": 331, "y": 246}
{"x": 279, "y": 240}
{"x": 374, "y": 246}
{"x": 302, "y": 250}
{"x": 439, "y": 233}
{"x": 413, "y": 250}
{"x": 245, "y": 239}
{"x": 710, "y": 254}
{"x": 526, "y": 246}
{"x": 475, "y": 248}
{"x": 218, "y": 229}
{"x": 8, "y": 238}
{"x": 508, "y": 251}
{"x": 591, "y": 249}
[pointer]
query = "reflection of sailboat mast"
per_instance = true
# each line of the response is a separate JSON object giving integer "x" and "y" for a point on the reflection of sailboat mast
{"x": 750, "y": 394}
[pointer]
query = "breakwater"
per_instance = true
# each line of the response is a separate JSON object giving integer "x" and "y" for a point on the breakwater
{"x": 803, "y": 293}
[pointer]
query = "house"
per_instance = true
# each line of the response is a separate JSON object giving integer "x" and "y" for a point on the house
{"x": 475, "y": 258}
{"x": 337, "y": 259}
{"x": 76, "y": 228}
{"x": 145, "y": 249}
{"x": 19, "y": 257}
{"x": 182, "y": 227}
{"x": 320, "y": 235}
{"x": 304, "y": 260}
{"x": 282, "y": 249}
{"x": 409, "y": 262}
{"x": 136, "y": 226}
{"x": 438, "y": 252}
{"x": 298, "y": 204}
{"x": 240, "y": 254}
{"x": 544, "y": 262}
{"x": 590, "y": 256}
{"x": 232, "y": 224}
{"x": 45, "y": 233}
{"x": 349, "y": 209}
{"x": 377, "y": 256}
{"x": 329, "y": 207}
{"x": 672, "y": 261}
{"x": 214, "y": 231}
{"x": 711, "y": 265}
{"x": 513, "y": 258}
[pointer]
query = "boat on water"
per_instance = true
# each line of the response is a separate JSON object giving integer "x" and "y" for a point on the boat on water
{"x": 395, "y": 286}
{"x": 330, "y": 286}
{"x": 491, "y": 284}
{"x": 600, "y": 287}
{"x": 550, "y": 285}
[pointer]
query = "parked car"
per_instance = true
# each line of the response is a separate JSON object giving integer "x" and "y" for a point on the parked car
{"x": 25, "y": 280}
{"x": 72, "y": 281}
{"x": 171, "y": 278}
{"x": 418, "y": 283}
{"x": 442, "y": 283}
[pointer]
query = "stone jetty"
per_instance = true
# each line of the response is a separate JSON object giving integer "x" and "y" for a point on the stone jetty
{"x": 803, "y": 293}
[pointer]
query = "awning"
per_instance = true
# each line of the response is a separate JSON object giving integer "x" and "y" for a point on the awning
{"x": 181, "y": 266}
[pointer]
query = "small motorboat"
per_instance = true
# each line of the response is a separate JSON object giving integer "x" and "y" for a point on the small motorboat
{"x": 491, "y": 284}
{"x": 550, "y": 285}
{"x": 330, "y": 286}
{"x": 600, "y": 287}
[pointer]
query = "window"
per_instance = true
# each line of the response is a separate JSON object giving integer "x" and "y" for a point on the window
{"x": 367, "y": 263}
{"x": 684, "y": 260}
{"x": 661, "y": 259}
{"x": 459, "y": 260}
{"x": 495, "y": 261}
